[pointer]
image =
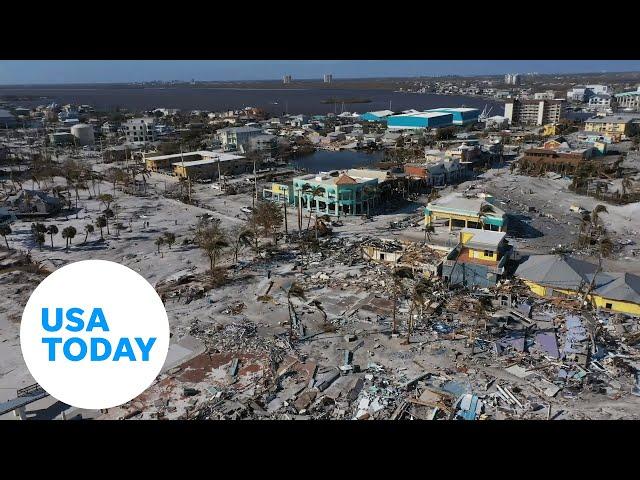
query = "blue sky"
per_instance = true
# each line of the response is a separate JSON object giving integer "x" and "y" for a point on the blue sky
{"x": 108, "y": 71}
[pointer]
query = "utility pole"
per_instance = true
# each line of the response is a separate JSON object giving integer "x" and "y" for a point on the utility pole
{"x": 255, "y": 184}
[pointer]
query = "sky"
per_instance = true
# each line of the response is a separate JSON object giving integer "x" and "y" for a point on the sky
{"x": 14, "y": 72}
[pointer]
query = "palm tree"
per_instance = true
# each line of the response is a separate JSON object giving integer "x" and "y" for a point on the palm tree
{"x": 108, "y": 213}
{"x": 38, "y": 230}
{"x": 101, "y": 222}
{"x": 88, "y": 229}
{"x": 159, "y": 241}
{"x": 485, "y": 208}
{"x": 5, "y": 230}
{"x": 51, "y": 231}
{"x": 369, "y": 191}
{"x": 68, "y": 233}
{"x": 169, "y": 238}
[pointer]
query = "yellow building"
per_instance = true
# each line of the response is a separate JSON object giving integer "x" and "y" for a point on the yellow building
{"x": 563, "y": 276}
{"x": 616, "y": 126}
{"x": 549, "y": 129}
{"x": 617, "y": 292}
{"x": 466, "y": 212}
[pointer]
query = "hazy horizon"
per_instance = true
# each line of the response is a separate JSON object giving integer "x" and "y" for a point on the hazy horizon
{"x": 69, "y": 72}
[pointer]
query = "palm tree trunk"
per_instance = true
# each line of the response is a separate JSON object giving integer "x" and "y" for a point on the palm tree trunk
{"x": 286, "y": 229}
{"x": 51, "y": 241}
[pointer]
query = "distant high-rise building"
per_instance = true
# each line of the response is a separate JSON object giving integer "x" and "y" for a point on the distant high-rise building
{"x": 287, "y": 79}
{"x": 327, "y": 78}
{"x": 512, "y": 79}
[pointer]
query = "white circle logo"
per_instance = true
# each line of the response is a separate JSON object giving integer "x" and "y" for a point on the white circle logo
{"x": 94, "y": 334}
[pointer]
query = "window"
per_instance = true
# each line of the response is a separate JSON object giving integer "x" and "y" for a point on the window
{"x": 608, "y": 306}
{"x": 488, "y": 253}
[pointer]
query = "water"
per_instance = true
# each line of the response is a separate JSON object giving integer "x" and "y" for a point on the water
{"x": 274, "y": 100}
{"x": 323, "y": 160}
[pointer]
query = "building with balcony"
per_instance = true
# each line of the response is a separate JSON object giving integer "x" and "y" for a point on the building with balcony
{"x": 140, "y": 130}
{"x": 437, "y": 173}
{"x": 335, "y": 193}
{"x": 618, "y": 127}
{"x": 463, "y": 211}
{"x": 237, "y": 138}
{"x": 534, "y": 112}
{"x": 200, "y": 165}
{"x": 478, "y": 260}
{"x": 279, "y": 192}
{"x": 629, "y": 100}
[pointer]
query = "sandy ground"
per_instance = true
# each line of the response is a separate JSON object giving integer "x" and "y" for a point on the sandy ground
{"x": 352, "y": 295}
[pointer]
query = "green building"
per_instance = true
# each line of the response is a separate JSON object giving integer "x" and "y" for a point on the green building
{"x": 335, "y": 193}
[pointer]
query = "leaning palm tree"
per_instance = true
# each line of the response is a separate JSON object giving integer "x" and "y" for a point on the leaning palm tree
{"x": 5, "y": 230}
{"x": 88, "y": 229}
{"x": 68, "y": 233}
{"x": 51, "y": 231}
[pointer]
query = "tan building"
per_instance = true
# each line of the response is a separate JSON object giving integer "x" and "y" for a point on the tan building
{"x": 534, "y": 112}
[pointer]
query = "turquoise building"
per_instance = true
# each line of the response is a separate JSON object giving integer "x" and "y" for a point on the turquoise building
{"x": 415, "y": 120}
{"x": 335, "y": 193}
{"x": 379, "y": 116}
{"x": 461, "y": 116}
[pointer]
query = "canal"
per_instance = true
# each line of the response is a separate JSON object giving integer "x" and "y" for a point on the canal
{"x": 323, "y": 160}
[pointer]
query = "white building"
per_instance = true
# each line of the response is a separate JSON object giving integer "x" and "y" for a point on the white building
{"x": 599, "y": 89}
{"x": 600, "y": 101}
{"x": 512, "y": 79}
{"x": 140, "y": 130}
{"x": 629, "y": 101}
{"x": 237, "y": 138}
{"x": 547, "y": 95}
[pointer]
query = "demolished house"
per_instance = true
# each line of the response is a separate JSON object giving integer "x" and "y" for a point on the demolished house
{"x": 32, "y": 203}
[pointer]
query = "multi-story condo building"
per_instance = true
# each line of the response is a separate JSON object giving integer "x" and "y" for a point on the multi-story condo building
{"x": 140, "y": 130}
{"x": 534, "y": 112}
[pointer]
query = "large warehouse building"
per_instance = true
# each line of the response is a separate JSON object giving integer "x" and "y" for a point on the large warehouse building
{"x": 417, "y": 120}
{"x": 461, "y": 116}
{"x": 379, "y": 116}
